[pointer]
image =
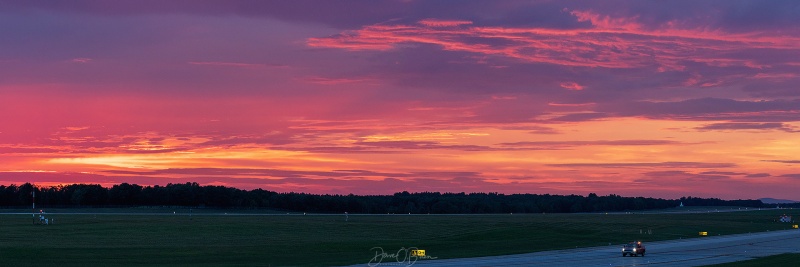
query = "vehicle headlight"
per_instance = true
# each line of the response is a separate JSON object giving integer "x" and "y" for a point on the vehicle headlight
{"x": 634, "y": 250}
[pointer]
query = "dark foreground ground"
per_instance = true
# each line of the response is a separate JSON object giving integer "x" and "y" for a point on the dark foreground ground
{"x": 126, "y": 237}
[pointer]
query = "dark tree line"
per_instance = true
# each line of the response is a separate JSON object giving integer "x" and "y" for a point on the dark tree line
{"x": 194, "y": 195}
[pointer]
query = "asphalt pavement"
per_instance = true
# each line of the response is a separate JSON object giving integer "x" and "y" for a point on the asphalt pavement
{"x": 678, "y": 253}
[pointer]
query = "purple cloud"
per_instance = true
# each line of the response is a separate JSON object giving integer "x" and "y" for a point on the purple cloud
{"x": 758, "y": 175}
{"x": 687, "y": 176}
{"x": 791, "y": 175}
{"x": 696, "y": 165}
{"x": 710, "y": 109}
{"x": 572, "y": 144}
{"x": 747, "y": 126}
{"x": 783, "y": 161}
{"x": 187, "y": 81}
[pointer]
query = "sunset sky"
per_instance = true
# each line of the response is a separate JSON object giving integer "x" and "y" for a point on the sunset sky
{"x": 637, "y": 98}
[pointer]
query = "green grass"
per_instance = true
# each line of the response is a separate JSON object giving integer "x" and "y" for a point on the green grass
{"x": 312, "y": 240}
{"x": 789, "y": 259}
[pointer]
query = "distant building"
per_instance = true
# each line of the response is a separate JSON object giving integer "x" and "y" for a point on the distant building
{"x": 786, "y": 219}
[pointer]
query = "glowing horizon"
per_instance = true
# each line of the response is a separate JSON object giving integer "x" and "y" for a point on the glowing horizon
{"x": 646, "y": 99}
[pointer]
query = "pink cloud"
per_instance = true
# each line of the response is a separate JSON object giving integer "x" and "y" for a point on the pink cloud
{"x": 443, "y": 23}
{"x": 572, "y": 86}
{"x": 608, "y": 23}
{"x": 331, "y": 81}
{"x": 610, "y": 42}
{"x": 238, "y": 94}
{"x": 81, "y": 60}
{"x": 776, "y": 76}
{"x": 226, "y": 64}
{"x": 497, "y": 97}
{"x": 571, "y": 104}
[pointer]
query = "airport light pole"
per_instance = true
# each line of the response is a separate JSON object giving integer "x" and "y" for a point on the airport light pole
{"x": 33, "y": 204}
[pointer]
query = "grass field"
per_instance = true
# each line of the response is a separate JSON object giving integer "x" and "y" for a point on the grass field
{"x": 317, "y": 240}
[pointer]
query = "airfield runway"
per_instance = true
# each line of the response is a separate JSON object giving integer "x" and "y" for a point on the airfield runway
{"x": 678, "y": 253}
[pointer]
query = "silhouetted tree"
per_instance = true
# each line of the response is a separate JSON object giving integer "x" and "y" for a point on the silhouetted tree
{"x": 194, "y": 195}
